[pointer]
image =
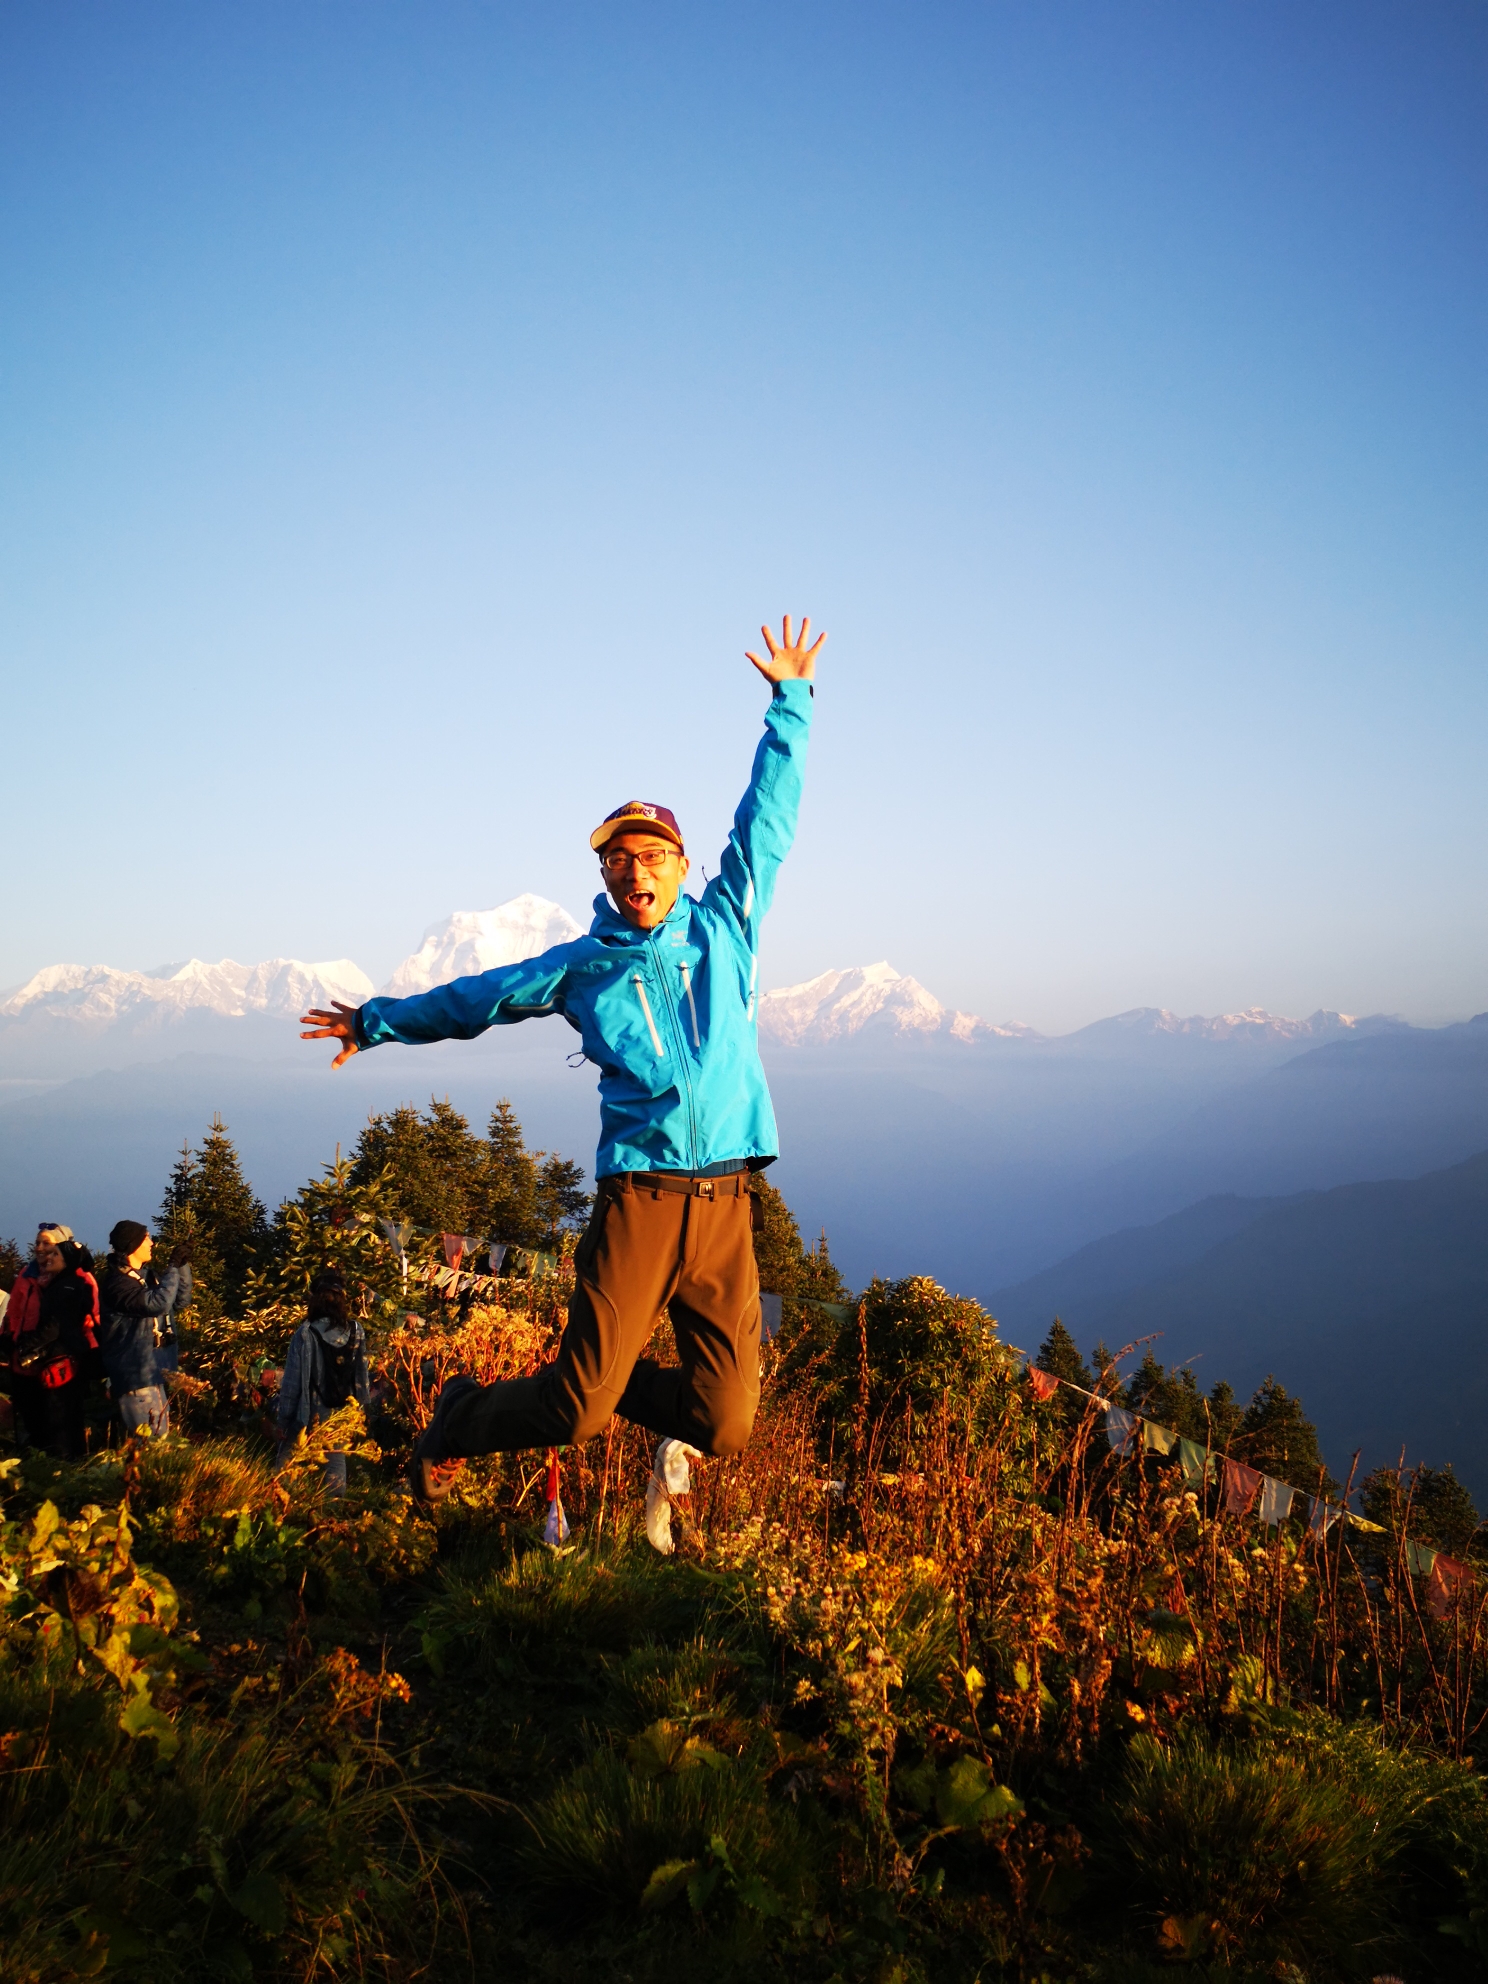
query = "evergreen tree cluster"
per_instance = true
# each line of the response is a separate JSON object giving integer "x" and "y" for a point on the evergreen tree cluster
{"x": 1272, "y": 1433}
{"x": 211, "y": 1203}
{"x": 1429, "y": 1504}
{"x": 438, "y": 1174}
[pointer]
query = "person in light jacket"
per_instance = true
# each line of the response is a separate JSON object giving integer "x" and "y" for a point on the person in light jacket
{"x": 326, "y": 1367}
{"x": 137, "y": 1305}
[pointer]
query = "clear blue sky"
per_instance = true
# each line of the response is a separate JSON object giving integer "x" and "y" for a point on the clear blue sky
{"x": 407, "y": 415}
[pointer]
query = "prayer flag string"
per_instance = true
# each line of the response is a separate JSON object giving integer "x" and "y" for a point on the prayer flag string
{"x": 1245, "y": 1488}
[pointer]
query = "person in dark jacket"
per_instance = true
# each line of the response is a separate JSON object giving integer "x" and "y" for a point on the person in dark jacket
{"x": 325, "y": 1367}
{"x": 51, "y": 1336}
{"x": 136, "y": 1301}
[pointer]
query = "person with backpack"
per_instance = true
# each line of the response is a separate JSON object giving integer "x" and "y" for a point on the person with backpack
{"x": 137, "y": 1306}
{"x": 663, "y": 993}
{"x": 51, "y": 1339}
{"x": 325, "y": 1368}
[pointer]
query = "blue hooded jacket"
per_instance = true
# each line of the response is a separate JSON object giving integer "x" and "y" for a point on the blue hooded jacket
{"x": 668, "y": 1015}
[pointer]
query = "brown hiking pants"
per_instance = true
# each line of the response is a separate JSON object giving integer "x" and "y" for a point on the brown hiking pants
{"x": 645, "y": 1249}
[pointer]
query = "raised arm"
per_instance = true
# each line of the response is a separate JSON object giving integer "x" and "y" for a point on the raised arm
{"x": 458, "y": 1011}
{"x": 765, "y": 823}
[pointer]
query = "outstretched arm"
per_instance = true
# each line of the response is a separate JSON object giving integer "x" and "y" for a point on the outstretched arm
{"x": 457, "y": 1011}
{"x": 765, "y": 823}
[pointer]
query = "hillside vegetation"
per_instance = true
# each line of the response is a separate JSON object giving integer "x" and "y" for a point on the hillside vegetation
{"x": 934, "y": 1686}
{"x": 1373, "y": 1297}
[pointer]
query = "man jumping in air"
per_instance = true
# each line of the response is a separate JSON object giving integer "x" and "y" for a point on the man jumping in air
{"x": 663, "y": 994}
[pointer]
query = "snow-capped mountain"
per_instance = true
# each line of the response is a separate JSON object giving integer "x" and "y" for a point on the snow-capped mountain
{"x": 97, "y": 995}
{"x": 474, "y": 940}
{"x": 1253, "y": 1030}
{"x": 839, "y": 1004}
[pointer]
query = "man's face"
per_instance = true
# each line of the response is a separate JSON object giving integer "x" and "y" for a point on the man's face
{"x": 143, "y": 1251}
{"x": 644, "y": 873}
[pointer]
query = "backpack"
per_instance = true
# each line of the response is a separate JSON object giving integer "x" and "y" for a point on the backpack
{"x": 335, "y": 1371}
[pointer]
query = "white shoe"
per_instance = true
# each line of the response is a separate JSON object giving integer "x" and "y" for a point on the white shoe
{"x": 670, "y": 1477}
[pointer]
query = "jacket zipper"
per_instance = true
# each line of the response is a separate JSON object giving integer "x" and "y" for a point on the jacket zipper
{"x": 675, "y": 1023}
{"x": 691, "y": 1005}
{"x": 640, "y": 986}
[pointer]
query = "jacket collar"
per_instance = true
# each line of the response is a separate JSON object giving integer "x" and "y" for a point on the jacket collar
{"x": 611, "y": 927}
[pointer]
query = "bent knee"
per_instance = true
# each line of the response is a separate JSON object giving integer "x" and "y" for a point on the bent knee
{"x": 729, "y": 1434}
{"x": 584, "y": 1423}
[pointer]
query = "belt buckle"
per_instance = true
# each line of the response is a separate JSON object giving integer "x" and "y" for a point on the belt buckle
{"x": 706, "y": 1188}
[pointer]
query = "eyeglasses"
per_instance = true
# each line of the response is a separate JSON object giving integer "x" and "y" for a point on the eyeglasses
{"x": 619, "y": 859}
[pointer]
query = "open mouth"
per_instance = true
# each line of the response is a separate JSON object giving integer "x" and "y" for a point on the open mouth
{"x": 641, "y": 898}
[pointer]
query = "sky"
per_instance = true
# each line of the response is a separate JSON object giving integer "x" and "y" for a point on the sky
{"x": 408, "y": 416}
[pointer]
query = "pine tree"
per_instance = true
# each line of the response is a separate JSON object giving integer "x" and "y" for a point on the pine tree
{"x": 1171, "y": 1398}
{"x": 210, "y": 1201}
{"x": 12, "y": 1260}
{"x": 433, "y": 1164}
{"x": 332, "y": 1221}
{"x": 1224, "y": 1414}
{"x": 787, "y": 1267}
{"x": 1277, "y": 1437}
{"x": 444, "y": 1179}
{"x": 1429, "y": 1503}
{"x": 1059, "y": 1356}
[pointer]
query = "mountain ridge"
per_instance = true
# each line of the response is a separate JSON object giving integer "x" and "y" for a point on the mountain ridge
{"x": 864, "y": 1003}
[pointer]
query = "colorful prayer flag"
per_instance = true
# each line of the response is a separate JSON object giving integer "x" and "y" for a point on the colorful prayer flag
{"x": 1157, "y": 1439}
{"x": 1241, "y": 1486}
{"x": 1323, "y": 1516}
{"x": 1197, "y": 1462}
{"x": 1275, "y": 1504}
{"x": 1044, "y": 1383}
{"x": 1441, "y": 1587}
{"x": 1420, "y": 1558}
{"x": 1121, "y": 1428}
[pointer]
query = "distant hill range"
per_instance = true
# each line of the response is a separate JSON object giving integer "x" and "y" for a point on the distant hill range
{"x": 1370, "y": 1300}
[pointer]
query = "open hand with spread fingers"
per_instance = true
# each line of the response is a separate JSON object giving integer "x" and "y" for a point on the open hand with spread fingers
{"x": 339, "y": 1024}
{"x": 789, "y": 660}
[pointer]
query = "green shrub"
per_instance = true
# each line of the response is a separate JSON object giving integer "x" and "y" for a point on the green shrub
{"x": 683, "y": 1813}
{"x": 542, "y": 1610}
{"x": 1281, "y": 1847}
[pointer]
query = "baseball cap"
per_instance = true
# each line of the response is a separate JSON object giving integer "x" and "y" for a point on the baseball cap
{"x": 635, "y": 817}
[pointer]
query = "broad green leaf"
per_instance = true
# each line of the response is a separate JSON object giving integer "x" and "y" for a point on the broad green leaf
{"x": 116, "y": 1656}
{"x": 666, "y": 1747}
{"x": 916, "y": 1786}
{"x": 755, "y": 1892}
{"x": 142, "y": 1718}
{"x": 44, "y": 1524}
{"x": 261, "y": 1900}
{"x": 700, "y": 1888}
{"x": 1021, "y": 1676}
{"x": 667, "y": 1882}
{"x": 966, "y": 1796}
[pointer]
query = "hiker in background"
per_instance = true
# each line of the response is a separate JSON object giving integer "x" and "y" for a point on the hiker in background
{"x": 325, "y": 1368}
{"x": 51, "y": 1335}
{"x": 137, "y": 1303}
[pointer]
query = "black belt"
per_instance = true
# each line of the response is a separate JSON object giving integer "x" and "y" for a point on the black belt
{"x": 733, "y": 1184}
